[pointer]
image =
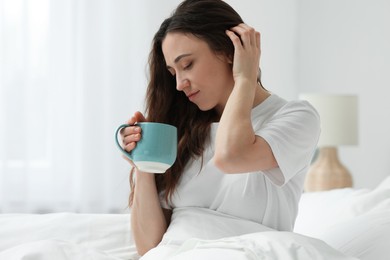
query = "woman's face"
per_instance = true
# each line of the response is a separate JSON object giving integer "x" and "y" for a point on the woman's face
{"x": 204, "y": 77}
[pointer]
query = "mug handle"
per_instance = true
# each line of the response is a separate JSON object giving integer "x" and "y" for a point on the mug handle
{"x": 117, "y": 141}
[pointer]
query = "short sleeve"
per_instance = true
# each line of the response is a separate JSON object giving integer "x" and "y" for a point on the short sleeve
{"x": 292, "y": 134}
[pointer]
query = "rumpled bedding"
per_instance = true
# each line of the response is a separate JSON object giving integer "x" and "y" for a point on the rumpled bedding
{"x": 353, "y": 221}
{"x": 54, "y": 249}
{"x": 60, "y": 236}
{"x": 197, "y": 233}
{"x": 69, "y": 236}
{"x": 342, "y": 224}
{"x": 267, "y": 245}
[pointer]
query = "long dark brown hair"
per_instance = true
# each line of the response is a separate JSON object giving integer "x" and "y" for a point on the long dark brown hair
{"x": 208, "y": 20}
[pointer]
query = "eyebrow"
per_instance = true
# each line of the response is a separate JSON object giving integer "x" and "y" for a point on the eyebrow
{"x": 178, "y": 58}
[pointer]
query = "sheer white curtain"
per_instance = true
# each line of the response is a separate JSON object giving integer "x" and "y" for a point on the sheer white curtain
{"x": 70, "y": 72}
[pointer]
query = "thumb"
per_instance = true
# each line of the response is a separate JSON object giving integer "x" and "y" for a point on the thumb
{"x": 139, "y": 117}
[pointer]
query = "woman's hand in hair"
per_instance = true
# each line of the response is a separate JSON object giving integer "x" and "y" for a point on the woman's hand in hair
{"x": 246, "y": 41}
{"x": 132, "y": 134}
{"x": 237, "y": 147}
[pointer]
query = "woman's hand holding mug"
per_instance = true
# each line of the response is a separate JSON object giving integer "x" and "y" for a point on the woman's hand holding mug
{"x": 150, "y": 147}
{"x": 132, "y": 133}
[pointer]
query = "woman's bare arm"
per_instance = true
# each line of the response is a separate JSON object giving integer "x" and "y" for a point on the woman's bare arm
{"x": 238, "y": 148}
{"x": 148, "y": 220}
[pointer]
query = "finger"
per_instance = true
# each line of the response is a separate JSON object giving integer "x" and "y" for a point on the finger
{"x": 139, "y": 117}
{"x": 131, "y": 138}
{"x": 246, "y": 27}
{"x": 129, "y": 147}
{"x": 132, "y": 120}
{"x": 258, "y": 44}
{"x": 250, "y": 33}
{"x": 238, "y": 32}
{"x": 246, "y": 33}
{"x": 235, "y": 39}
{"x": 130, "y": 130}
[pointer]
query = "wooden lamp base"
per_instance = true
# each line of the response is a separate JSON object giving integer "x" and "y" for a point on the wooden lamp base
{"x": 327, "y": 172}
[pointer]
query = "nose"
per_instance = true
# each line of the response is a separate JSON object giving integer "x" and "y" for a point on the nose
{"x": 181, "y": 84}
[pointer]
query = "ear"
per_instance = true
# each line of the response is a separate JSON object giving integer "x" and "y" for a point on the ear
{"x": 224, "y": 58}
{"x": 227, "y": 59}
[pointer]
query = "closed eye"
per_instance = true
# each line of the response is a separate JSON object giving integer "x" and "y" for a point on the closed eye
{"x": 188, "y": 66}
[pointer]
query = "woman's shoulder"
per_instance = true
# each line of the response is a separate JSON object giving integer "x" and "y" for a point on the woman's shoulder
{"x": 275, "y": 105}
{"x": 302, "y": 107}
{"x": 292, "y": 106}
{"x": 277, "y": 109}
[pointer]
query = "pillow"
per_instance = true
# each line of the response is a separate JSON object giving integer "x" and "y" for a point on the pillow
{"x": 318, "y": 211}
{"x": 354, "y": 221}
{"x": 366, "y": 237}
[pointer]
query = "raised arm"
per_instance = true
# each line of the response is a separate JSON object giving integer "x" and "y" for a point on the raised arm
{"x": 238, "y": 149}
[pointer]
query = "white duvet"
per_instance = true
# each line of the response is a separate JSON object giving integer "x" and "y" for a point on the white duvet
{"x": 261, "y": 245}
{"x": 196, "y": 233}
{"x": 268, "y": 245}
{"x": 339, "y": 224}
{"x": 68, "y": 236}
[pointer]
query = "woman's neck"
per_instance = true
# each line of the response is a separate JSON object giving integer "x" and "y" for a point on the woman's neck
{"x": 260, "y": 95}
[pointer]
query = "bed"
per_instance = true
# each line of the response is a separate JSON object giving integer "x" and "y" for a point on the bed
{"x": 337, "y": 224}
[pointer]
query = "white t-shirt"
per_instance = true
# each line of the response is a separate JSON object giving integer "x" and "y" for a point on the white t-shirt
{"x": 269, "y": 198}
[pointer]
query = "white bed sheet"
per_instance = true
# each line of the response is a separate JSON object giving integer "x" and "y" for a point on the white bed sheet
{"x": 267, "y": 245}
{"x": 337, "y": 224}
{"x": 69, "y": 236}
{"x": 66, "y": 236}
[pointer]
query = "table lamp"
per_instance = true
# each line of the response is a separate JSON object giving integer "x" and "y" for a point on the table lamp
{"x": 338, "y": 115}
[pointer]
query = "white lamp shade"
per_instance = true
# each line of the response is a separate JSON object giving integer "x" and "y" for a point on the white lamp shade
{"x": 339, "y": 118}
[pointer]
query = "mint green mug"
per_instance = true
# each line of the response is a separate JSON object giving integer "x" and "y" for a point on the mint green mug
{"x": 156, "y": 151}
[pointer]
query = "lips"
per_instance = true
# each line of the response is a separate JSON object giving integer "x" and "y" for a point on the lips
{"x": 192, "y": 95}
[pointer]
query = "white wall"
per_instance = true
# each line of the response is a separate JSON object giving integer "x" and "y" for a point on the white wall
{"x": 344, "y": 47}
{"x": 277, "y": 23}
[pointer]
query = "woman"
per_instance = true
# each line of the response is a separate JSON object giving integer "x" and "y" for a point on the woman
{"x": 242, "y": 153}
